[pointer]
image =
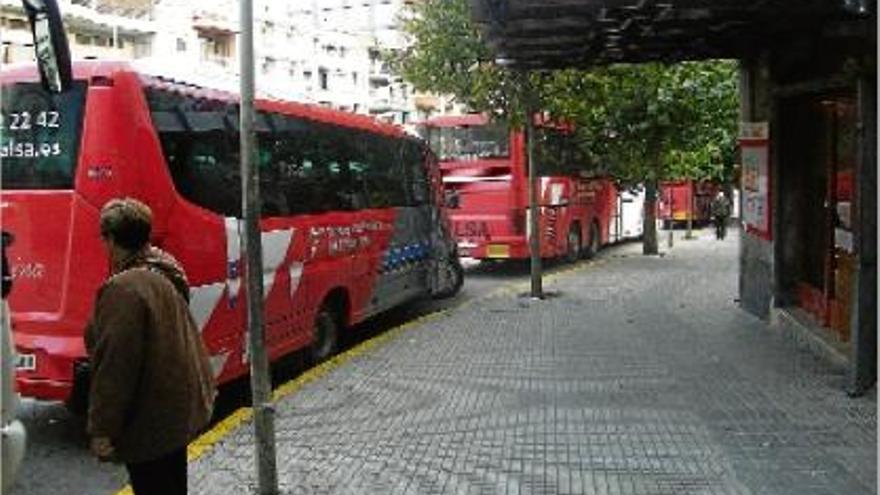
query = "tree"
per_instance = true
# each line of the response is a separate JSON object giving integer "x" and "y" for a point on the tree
{"x": 641, "y": 123}
{"x": 653, "y": 121}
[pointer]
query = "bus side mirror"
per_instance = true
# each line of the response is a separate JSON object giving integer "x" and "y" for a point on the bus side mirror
{"x": 50, "y": 44}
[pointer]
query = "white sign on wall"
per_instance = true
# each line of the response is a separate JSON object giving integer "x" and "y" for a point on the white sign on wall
{"x": 756, "y": 206}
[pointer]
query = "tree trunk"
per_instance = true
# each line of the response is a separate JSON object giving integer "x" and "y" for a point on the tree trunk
{"x": 649, "y": 238}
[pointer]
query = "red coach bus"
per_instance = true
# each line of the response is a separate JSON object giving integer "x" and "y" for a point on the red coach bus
{"x": 351, "y": 224}
{"x": 686, "y": 199}
{"x": 485, "y": 174}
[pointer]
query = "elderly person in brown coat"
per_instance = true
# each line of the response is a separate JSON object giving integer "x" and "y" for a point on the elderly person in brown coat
{"x": 152, "y": 388}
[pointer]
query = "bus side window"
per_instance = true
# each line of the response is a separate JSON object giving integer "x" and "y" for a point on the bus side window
{"x": 200, "y": 149}
{"x": 383, "y": 174}
{"x": 271, "y": 166}
{"x": 213, "y": 167}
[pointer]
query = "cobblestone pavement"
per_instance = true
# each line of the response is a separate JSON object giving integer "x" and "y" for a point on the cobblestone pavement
{"x": 639, "y": 376}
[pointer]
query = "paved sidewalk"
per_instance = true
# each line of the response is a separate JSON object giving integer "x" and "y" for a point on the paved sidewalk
{"x": 640, "y": 377}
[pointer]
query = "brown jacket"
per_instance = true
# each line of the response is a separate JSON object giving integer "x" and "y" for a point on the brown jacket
{"x": 152, "y": 388}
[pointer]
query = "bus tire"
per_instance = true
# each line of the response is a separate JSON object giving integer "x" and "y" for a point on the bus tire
{"x": 451, "y": 276}
{"x": 593, "y": 244}
{"x": 573, "y": 247}
{"x": 325, "y": 335}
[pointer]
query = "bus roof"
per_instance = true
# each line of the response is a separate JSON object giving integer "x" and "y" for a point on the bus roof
{"x": 198, "y": 87}
{"x": 477, "y": 119}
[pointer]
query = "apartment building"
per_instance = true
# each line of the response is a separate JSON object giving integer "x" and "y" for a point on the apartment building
{"x": 321, "y": 51}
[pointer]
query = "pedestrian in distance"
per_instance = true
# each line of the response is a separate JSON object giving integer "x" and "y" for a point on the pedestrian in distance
{"x": 151, "y": 389}
{"x": 720, "y": 210}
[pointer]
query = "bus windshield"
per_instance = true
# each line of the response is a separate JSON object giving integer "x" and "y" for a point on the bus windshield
{"x": 39, "y": 135}
{"x": 469, "y": 142}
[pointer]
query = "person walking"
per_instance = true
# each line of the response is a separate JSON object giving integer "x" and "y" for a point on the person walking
{"x": 720, "y": 210}
{"x": 151, "y": 389}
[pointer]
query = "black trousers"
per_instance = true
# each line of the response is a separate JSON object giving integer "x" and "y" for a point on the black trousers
{"x": 720, "y": 227}
{"x": 163, "y": 476}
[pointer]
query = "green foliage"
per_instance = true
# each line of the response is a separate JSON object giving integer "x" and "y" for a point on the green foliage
{"x": 641, "y": 122}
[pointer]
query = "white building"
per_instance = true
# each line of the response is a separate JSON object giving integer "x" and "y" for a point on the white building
{"x": 320, "y": 51}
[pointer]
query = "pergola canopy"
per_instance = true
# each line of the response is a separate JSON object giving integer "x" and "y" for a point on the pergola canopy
{"x": 553, "y": 34}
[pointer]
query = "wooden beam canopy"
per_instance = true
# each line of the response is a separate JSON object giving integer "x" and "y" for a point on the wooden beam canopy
{"x": 554, "y": 34}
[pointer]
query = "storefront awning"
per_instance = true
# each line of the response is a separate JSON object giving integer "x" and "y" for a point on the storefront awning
{"x": 552, "y": 34}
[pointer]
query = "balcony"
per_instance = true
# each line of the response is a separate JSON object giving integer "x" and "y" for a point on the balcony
{"x": 380, "y": 74}
{"x": 380, "y": 105}
{"x": 214, "y": 22}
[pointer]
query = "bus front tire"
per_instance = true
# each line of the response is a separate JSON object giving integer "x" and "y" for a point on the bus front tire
{"x": 451, "y": 276}
{"x": 325, "y": 335}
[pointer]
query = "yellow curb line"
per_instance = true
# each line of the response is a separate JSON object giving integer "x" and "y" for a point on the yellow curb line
{"x": 204, "y": 443}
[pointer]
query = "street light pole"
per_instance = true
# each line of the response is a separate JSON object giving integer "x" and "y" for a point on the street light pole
{"x": 261, "y": 385}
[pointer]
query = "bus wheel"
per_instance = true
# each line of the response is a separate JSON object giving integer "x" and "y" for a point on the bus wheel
{"x": 573, "y": 248}
{"x": 593, "y": 244}
{"x": 326, "y": 335}
{"x": 451, "y": 276}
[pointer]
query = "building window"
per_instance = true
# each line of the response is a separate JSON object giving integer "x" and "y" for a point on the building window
{"x": 181, "y": 45}
{"x": 354, "y": 78}
{"x": 323, "y": 79}
{"x": 17, "y": 24}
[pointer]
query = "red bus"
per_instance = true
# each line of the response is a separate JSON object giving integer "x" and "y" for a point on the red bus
{"x": 686, "y": 199}
{"x": 485, "y": 174}
{"x": 352, "y": 220}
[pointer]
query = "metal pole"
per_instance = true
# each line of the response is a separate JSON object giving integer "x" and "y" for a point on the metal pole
{"x": 534, "y": 233}
{"x": 691, "y": 210}
{"x": 261, "y": 385}
{"x": 670, "y": 232}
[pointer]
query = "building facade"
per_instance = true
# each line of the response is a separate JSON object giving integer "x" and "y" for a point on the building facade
{"x": 326, "y": 52}
{"x": 809, "y": 249}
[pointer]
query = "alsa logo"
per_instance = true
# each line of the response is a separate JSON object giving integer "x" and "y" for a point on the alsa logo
{"x": 472, "y": 229}
{"x": 33, "y": 271}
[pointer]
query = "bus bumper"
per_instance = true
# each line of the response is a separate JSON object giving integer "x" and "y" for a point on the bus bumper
{"x": 45, "y": 365}
{"x": 497, "y": 248}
